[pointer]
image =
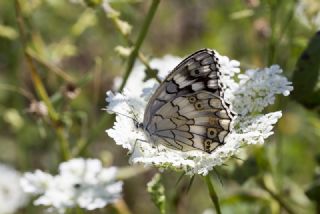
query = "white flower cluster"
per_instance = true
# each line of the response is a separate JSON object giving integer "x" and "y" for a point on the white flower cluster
{"x": 256, "y": 89}
{"x": 249, "y": 94}
{"x": 11, "y": 195}
{"x": 308, "y": 13}
{"x": 80, "y": 182}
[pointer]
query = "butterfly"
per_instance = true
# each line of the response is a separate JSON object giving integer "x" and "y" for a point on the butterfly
{"x": 188, "y": 110}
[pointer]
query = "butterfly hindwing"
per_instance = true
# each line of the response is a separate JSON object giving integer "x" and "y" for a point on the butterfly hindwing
{"x": 197, "y": 121}
{"x": 187, "y": 111}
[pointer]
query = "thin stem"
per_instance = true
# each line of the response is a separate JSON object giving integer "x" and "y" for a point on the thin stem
{"x": 109, "y": 118}
{"x": 39, "y": 87}
{"x": 275, "y": 196}
{"x": 78, "y": 210}
{"x": 141, "y": 56}
{"x": 288, "y": 20}
{"x": 104, "y": 122}
{"x": 59, "y": 72}
{"x": 272, "y": 42}
{"x": 122, "y": 207}
{"x": 141, "y": 37}
{"x": 41, "y": 91}
{"x": 213, "y": 194}
{"x": 21, "y": 91}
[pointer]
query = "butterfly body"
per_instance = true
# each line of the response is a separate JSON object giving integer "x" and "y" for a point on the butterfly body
{"x": 187, "y": 111}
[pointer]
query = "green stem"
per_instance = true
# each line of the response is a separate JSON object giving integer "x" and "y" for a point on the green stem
{"x": 59, "y": 72}
{"x": 275, "y": 196}
{"x": 272, "y": 42}
{"x": 103, "y": 123}
{"x": 141, "y": 37}
{"x": 213, "y": 194}
{"x": 39, "y": 86}
{"x": 20, "y": 91}
{"x": 78, "y": 210}
{"x": 141, "y": 57}
{"x": 122, "y": 207}
{"x": 288, "y": 20}
{"x": 64, "y": 145}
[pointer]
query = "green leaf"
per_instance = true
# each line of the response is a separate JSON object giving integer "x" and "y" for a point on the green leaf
{"x": 213, "y": 194}
{"x": 313, "y": 192}
{"x": 156, "y": 190}
{"x": 248, "y": 169}
{"x": 306, "y": 74}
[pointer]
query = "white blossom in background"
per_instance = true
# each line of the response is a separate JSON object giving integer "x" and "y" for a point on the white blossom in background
{"x": 249, "y": 93}
{"x": 308, "y": 13}
{"x": 11, "y": 195}
{"x": 80, "y": 182}
{"x": 208, "y": 211}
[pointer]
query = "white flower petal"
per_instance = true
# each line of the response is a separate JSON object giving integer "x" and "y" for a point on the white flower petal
{"x": 12, "y": 196}
{"x": 81, "y": 182}
{"x": 35, "y": 183}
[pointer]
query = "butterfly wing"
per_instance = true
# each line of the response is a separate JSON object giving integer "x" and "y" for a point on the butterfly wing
{"x": 187, "y": 111}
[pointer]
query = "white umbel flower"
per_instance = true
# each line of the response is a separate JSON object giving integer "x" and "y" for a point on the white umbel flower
{"x": 11, "y": 195}
{"x": 80, "y": 182}
{"x": 249, "y": 93}
{"x": 308, "y": 13}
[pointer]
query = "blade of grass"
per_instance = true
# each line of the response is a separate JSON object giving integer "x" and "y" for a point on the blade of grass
{"x": 213, "y": 194}
{"x": 40, "y": 89}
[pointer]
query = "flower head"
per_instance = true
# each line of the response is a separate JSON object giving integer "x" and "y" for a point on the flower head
{"x": 249, "y": 93}
{"x": 11, "y": 195}
{"x": 308, "y": 13}
{"x": 80, "y": 182}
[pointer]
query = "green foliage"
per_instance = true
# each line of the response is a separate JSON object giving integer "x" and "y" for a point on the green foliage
{"x": 307, "y": 73}
{"x": 157, "y": 193}
{"x": 58, "y": 58}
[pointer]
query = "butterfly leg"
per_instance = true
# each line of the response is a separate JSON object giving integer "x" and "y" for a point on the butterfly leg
{"x": 134, "y": 145}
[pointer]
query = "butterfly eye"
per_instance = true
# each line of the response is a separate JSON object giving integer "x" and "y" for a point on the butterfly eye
{"x": 198, "y": 105}
{"x": 192, "y": 99}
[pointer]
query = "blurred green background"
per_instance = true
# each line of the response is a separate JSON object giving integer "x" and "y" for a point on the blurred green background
{"x": 73, "y": 46}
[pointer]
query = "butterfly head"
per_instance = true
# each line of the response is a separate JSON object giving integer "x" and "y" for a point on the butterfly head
{"x": 138, "y": 125}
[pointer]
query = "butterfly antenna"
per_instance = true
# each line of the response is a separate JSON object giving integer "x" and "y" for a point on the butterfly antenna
{"x": 132, "y": 109}
{"x": 116, "y": 112}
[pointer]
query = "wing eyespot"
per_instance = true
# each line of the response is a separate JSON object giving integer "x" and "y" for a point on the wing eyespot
{"x": 211, "y": 132}
{"x": 192, "y": 99}
{"x": 207, "y": 144}
{"x": 195, "y": 73}
{"x": 198, "y": 105}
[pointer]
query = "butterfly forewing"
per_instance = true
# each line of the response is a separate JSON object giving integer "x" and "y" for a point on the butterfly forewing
{"x": 187, "y": 111}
